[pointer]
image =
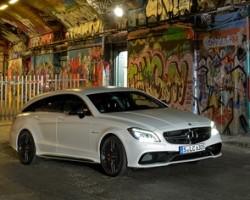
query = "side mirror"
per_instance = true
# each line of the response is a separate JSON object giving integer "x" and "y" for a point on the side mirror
{"x": 81, "y": 112}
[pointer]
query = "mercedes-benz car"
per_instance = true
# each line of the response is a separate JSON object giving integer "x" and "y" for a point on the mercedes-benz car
{"x": 116, "y": 127}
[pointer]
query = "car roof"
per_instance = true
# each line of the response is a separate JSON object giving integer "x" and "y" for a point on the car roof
{"x": 79, "y": 91}
{"x": 97, "y": 89}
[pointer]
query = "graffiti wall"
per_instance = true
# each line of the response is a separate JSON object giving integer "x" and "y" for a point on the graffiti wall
{"x": 89, "y": 64}
{"x": 86, "y": 63}
{"x": 155, "y": 11}
{"x": 222, "y": 77}
{"x": 163, "y": 66}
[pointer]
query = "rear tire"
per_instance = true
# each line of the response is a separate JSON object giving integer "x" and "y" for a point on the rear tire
{"x": 113, "y": 156}
{"x": 26, "y": 148}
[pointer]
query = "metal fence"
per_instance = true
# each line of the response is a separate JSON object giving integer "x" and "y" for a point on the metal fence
{"x": 15, "y": 91}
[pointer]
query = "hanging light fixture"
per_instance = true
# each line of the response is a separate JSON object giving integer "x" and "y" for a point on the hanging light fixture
{"x": 6, "y": 5}
{"x": 118, "y": 11}
{"x": 13, "y": 1}
{"x": 3, "y": 6}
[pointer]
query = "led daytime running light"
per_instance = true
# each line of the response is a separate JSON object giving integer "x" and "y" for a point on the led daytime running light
{"x": 143, "y": 135}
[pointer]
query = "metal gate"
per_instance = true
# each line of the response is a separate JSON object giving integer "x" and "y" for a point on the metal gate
{"x": 15, "y": 91}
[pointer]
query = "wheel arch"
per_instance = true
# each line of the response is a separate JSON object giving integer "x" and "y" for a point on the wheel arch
{"x": 21, "y": 131}
{"x": 114, "y": 159}
{"x": 102, "y": 139}
{"x": 26, "y": 147}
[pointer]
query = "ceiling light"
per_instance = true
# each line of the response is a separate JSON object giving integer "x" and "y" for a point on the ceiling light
{"x": 118, "y": 11}
{"x": 13, "y": 1}
{"x": 4, "y": 6}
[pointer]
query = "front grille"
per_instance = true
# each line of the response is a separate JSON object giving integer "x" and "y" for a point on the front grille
{"x": 188, "y": 136}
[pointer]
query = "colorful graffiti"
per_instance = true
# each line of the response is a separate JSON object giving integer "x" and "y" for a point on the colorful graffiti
{"x": 78, "y": 11}
{"x": 155, "y": 11}
{"x": 43, "y": 65}
{"x": 163, "y": 68}
{"x": 41, "y": 40}
{"x": 86, "y": 63}
{"x": 165, "y": 9}
{"x": 222, "y": 81}
{"x": 15, "y": 67}
{"x": 89, "y": 64}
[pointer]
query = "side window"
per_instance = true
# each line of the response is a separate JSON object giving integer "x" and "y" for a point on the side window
{"x": 100, "y": 101}
{"x": 33, "y": 106}
{"x": 49, "y": 104}
{"x": 73, "y": 103}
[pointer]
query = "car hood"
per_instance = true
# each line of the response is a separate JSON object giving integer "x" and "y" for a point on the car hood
{"x": 162, "y": 119}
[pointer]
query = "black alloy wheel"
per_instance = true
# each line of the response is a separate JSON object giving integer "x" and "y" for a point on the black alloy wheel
{"x": 113, "y": 156}
{"x": 26, "y": 148}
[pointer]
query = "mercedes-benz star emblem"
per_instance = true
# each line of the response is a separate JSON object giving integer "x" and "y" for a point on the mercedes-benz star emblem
{"x": 192, "y": 135}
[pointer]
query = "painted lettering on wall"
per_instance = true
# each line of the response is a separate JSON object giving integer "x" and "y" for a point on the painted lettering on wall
{"x": 166, "y": 74}
{"x": 223, "y": 41}
{"x": 164, "y": 9}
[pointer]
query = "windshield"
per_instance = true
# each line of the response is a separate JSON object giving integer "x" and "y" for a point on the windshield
{"x": 124, "y": 101}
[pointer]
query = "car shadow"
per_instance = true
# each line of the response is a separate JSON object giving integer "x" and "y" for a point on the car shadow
{"x": 5, "y": 148}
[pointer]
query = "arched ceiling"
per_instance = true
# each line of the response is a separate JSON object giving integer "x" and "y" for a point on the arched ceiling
{"x": 30, "y": 18}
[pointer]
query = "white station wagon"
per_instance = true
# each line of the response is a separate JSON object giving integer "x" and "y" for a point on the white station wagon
{"x": 116, "y": 127}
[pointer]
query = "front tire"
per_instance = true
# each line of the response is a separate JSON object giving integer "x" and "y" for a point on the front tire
{"x": 26, "y": 148}
{"x": 113, "y": 156}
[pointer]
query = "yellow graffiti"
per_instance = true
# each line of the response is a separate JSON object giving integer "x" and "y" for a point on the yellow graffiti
{"x": 165, "y": 78}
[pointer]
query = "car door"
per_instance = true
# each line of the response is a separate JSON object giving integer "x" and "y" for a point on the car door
{"x": 45, "y": 113}
{"x": 73, "y": 130}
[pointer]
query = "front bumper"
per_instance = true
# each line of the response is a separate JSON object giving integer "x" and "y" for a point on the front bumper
{"x": 169, "y": 157}
{"x": 144, "y": 155}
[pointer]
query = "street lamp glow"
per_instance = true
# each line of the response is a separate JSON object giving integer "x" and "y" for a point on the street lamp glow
{"x": 118, "y": 11}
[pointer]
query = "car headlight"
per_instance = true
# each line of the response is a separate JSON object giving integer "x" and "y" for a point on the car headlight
{"x": 214, "y": 130}
{"x": 143, "y": 135}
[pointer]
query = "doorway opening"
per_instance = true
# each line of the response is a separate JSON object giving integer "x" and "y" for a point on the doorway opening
{"x": 121, "y": 61}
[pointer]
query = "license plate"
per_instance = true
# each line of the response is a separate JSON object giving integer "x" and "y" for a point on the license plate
{"x": 192, "y": 148}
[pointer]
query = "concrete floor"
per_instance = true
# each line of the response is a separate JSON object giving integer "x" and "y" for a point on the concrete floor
{"x": 225, "y": 178}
